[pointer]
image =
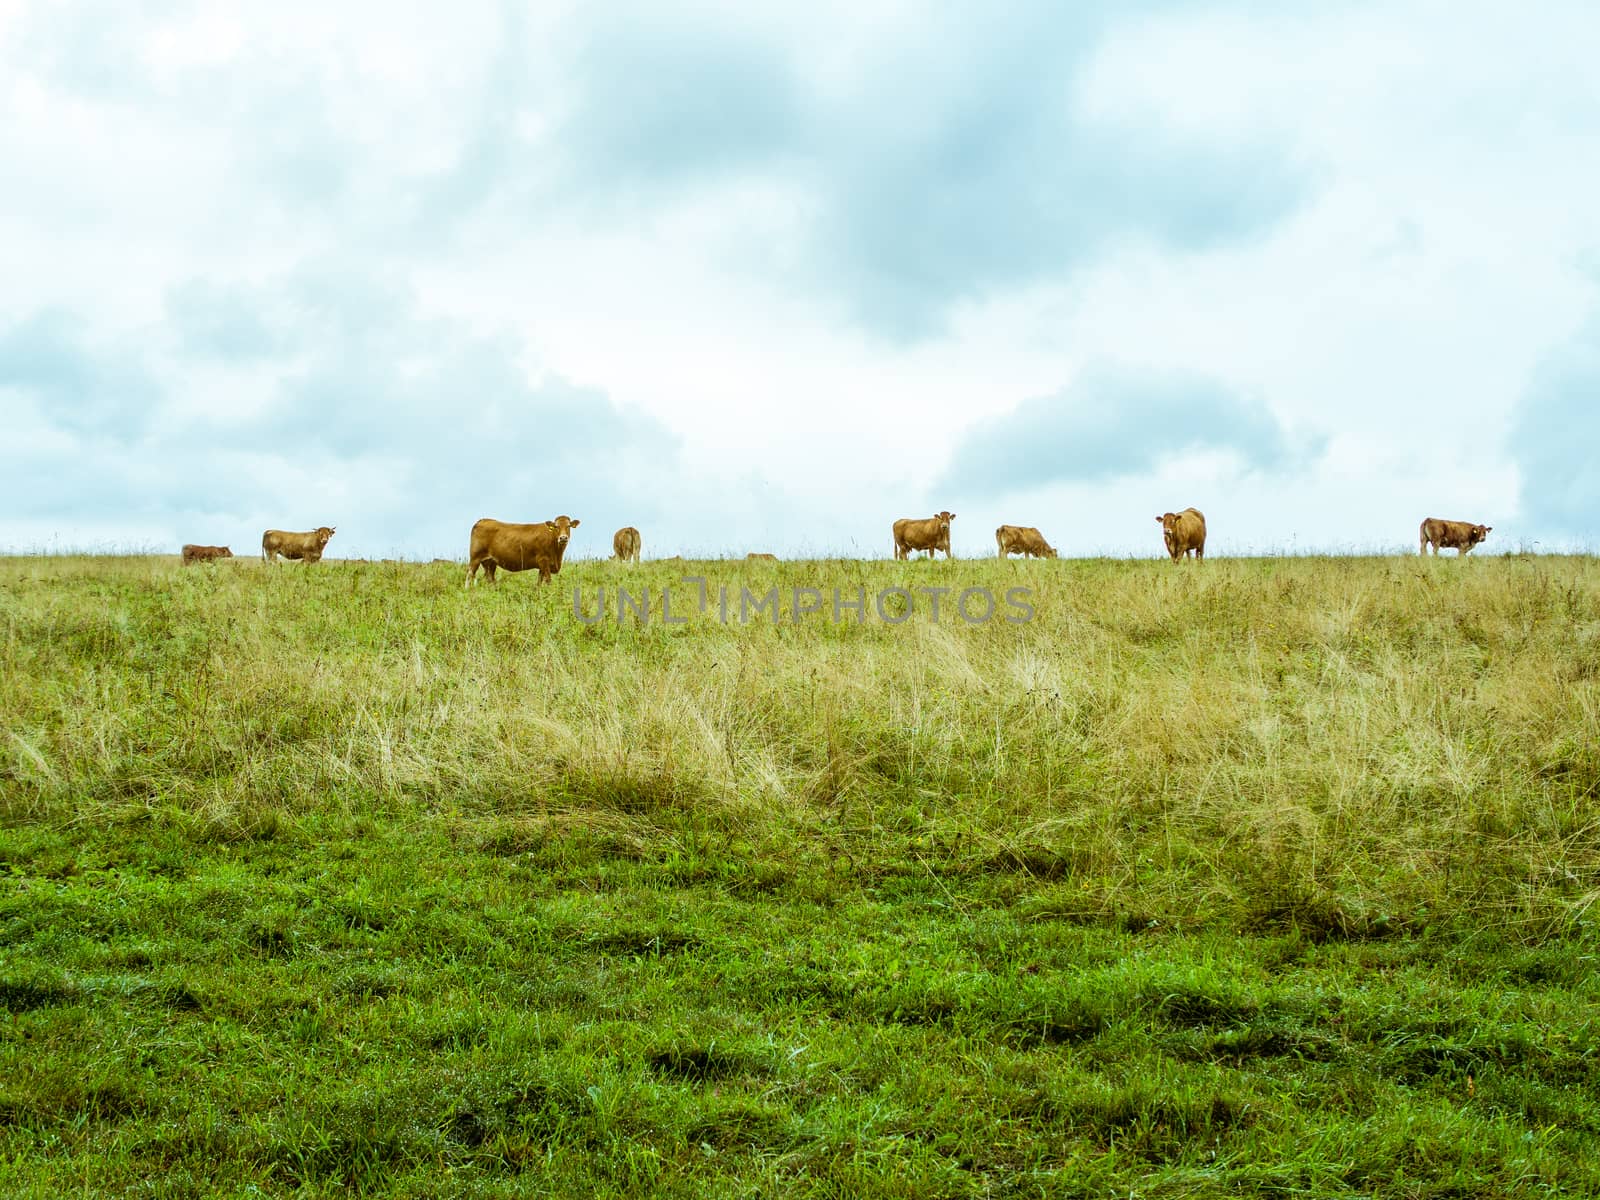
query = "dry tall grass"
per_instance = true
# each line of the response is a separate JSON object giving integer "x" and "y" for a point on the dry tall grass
{"x": 1343, "y": 743}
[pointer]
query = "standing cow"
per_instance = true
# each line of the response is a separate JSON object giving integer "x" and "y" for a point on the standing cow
{"x": 1461, "y": 536}
{"x": 930, "y": 534}
{"x": 307, "y": 547}
{"x": 1022, "y": 539}
{"x": 193, "y": 553}
{"x": 625, "y": 544}
{"x": 538, "y": 546}
{"x": 1184, "y": 532}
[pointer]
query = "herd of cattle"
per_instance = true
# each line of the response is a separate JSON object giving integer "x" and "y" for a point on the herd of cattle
{"x": 540, "y": 546}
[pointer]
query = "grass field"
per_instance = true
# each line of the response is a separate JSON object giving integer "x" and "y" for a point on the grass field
{"x": 1257, "y": 877}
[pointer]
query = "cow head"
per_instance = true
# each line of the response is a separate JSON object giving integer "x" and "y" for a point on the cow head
{"x": 944, "y": 519}
{"x": 1049, "y": 551}
{"x": 324, "y": 532}
{"x": 1479, "y": 533}
{"x": 562, "y": 527}
{"x": 225, "y": 553}
{"x": 1169, "y": 528}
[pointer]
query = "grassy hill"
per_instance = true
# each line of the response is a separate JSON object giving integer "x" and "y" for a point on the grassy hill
{"x": 1270, "y": 876}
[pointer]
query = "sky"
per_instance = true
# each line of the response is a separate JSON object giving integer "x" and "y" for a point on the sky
{"x": 768, "y": 277}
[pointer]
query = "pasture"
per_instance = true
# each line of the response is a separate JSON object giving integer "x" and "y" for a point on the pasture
{"x": 1248, "y": 877}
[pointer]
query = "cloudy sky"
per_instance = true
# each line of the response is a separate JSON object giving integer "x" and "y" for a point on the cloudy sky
{"x": 770, "y": 276}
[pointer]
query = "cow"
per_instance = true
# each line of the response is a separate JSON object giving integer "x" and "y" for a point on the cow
{"x": 1022, "y": 539}
{"x": 305, "y": 546}
{"x": 930, "y": 535}
{"x": 1461, "y": 536}
{"x": 753, "y": 556}
{"x": 538, "y": 546}
{"x": 625, "y": 544}
{"x": 1184, "y": 532}
{"x": 194, "y": 554}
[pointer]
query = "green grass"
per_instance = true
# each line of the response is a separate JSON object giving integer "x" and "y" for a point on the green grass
{"x": 1257, "y": 877}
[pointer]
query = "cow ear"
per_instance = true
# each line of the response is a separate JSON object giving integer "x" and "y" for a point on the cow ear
{"x": 575, "y": 522}
{"x": 1158, "y": 520}
{"x": 952, "y": 516}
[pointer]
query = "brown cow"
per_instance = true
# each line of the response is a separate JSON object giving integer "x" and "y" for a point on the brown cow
{"x": 306, "y": 546}
{"x": 755, "y": 557}
{"x": 1461, "y": 536}
{"x": 930, "y": 535}
{"x": 1184, "y": 532}
{"x": 625, "y": 544}
{"x": 1022, "y": 539}
{"x": 194, "y": 554}
{"x": 538, "y": 546}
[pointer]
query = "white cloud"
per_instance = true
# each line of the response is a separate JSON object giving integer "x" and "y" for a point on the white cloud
{"x": 1370, "y": 220}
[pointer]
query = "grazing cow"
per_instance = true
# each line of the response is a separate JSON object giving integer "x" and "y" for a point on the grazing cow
{"x": 194, "y": 554}
{"x": 538, "y": 546}
{"x": 625, "y": 544}
{"x": 1184, "y": 532}
{"x": 1461, "y": 536}
{"x": 754, "y": 557}
{"x": 1022, "y": 539}
{"x": 306, "y": 546}
{"x": 930, "y": 535}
